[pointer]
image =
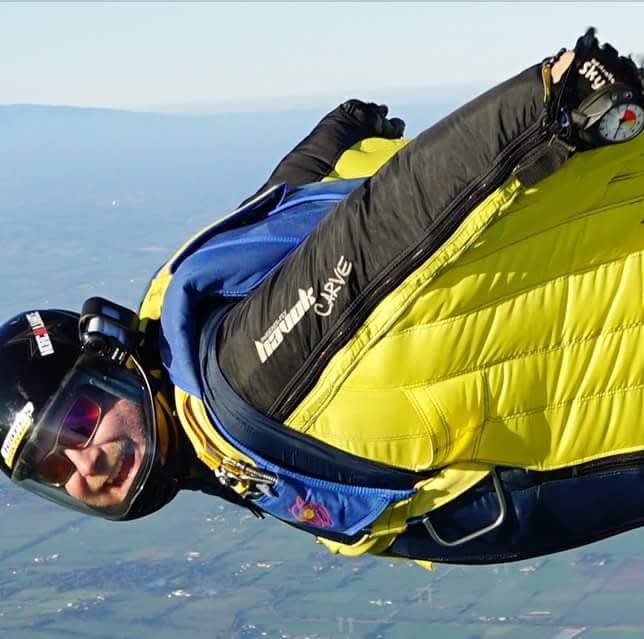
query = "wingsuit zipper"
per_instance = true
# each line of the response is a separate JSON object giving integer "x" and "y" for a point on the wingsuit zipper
{"x": 353, "y": 317}
{"x": 614, "y": 462}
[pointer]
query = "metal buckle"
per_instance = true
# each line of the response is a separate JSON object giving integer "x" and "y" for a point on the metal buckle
{"x": 498, "y": 489}
{"x": 258, "y": 482}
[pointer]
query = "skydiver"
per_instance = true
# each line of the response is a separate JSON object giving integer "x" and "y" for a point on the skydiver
{"x": 242, "y": 372}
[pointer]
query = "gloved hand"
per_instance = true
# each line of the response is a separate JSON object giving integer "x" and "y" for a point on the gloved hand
{"x": 374, "y": 118}
{"x": 593, "y": 67}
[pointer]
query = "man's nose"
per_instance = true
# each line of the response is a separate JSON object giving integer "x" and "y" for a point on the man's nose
{"x": 89, "y": 461}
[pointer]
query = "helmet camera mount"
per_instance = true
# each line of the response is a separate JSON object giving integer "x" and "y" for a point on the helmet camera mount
{"x": 108, "y": 331}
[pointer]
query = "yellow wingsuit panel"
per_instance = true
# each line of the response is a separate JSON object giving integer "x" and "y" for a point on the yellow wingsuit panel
{"x": 364, "y": 158}
{"x": 520, "y": 342}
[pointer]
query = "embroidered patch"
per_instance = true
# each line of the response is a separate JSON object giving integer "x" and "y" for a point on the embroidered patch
{"x": 311, "y": 513}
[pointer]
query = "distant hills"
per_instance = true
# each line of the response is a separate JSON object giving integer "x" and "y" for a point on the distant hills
{"x": 91, "y": 155}
{"x": 399, "y": 98}
{"x": 92, "y": 200}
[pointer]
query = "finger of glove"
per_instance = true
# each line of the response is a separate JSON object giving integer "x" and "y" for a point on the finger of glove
{"x": 383, "y": 109}
{"x": 392, "y": 128}
{"x": 377, "y": 119}
{"x": 624, "y": 67}
{"x": 367, "y": 113}
{"x": 373, "y": 117}
{"x": 595, "y": 66}
{"x": 355, "y": 108}
{"x": 586, "y": 41}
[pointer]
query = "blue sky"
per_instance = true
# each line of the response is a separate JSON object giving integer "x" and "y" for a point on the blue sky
{"x": 152, "y": 55}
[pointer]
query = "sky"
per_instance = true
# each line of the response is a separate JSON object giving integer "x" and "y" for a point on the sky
{"x": 160, "y": 55}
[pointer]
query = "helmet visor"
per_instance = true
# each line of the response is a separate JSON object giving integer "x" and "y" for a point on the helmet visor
{"x": 95, "y": 442}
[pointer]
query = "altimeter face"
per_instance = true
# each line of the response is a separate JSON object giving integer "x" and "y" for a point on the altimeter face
{"x": 623, "y": 122}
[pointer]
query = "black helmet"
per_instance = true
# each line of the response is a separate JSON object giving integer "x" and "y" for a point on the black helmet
{"x": 37, "y": 349}
{"x": 62, "y": 408}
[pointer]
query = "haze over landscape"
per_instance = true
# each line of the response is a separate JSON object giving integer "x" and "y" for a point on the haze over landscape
{"x": 93, "y": 201}
{"x": 171, "y": 116}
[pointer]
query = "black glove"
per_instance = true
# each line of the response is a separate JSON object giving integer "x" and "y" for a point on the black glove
{"x": 373, "y": 117}
{"x": 595, "y": 66}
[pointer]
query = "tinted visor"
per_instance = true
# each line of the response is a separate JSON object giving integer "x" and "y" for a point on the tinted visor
{"x": 75, "y": 432}
{"x": 94, "y": 444}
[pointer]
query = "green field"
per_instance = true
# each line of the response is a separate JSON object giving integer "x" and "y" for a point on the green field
{"x": 202, "y": 569}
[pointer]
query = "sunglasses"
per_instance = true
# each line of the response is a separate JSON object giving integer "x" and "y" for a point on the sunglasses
{"x": 76, "y": 431}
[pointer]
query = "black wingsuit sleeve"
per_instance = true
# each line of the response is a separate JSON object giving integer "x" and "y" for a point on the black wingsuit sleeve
{"x": 385, "y": 228}
{"x": 316, "y": 155}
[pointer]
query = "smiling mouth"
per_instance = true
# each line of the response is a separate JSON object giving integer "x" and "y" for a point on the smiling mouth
{"x": 122, "y": 468}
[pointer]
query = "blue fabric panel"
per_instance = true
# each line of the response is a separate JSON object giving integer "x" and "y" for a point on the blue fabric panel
{"x": 548, "y": 512}
{"x": 232, "y": 263}
{"x": 315, "y": 504}
{"x": 321, "y": 505}
{"x": 252, "y": 211}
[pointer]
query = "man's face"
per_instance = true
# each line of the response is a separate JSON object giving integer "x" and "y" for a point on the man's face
{"x": 105, "y": 469}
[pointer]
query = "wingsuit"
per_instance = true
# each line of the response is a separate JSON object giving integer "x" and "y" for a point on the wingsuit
{"x": 426, "y": 348}
{"x": 441, "y": 360}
